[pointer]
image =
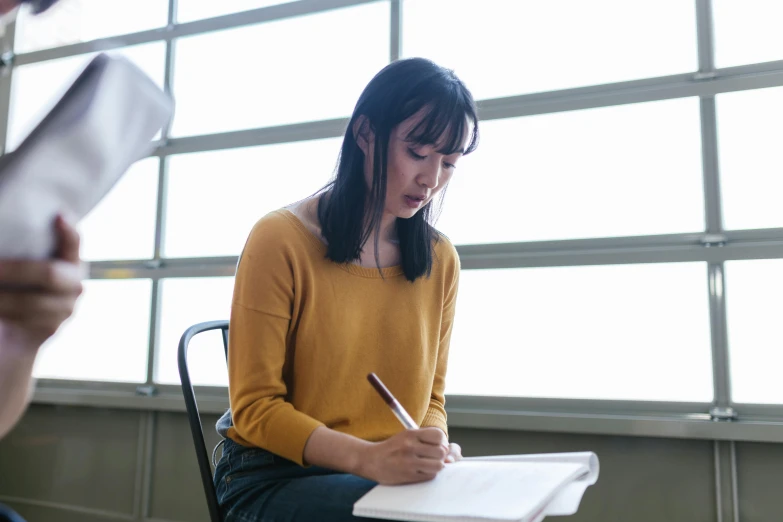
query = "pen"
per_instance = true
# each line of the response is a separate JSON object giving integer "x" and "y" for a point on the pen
{"x": 393, "y": 403}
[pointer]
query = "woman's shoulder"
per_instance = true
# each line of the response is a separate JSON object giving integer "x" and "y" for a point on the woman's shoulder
{"x": 281, "y": 229}
{"x": 446, "y": 253}
{"x": 273, "y": 231}
{"x": 274, "y": 225}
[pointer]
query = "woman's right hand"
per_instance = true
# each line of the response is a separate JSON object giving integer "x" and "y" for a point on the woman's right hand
{"x": 407, "y": 457}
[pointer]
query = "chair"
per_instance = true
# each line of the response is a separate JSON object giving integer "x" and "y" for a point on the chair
{"x": 192, "y": 408}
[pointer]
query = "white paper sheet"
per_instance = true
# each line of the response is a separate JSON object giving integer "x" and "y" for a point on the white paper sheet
{"x": 507, "y": 488}
{"x": 69, "y": 162}
{"x": 568, "y": 500}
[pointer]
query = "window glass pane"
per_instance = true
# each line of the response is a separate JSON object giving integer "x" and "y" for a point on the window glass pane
{"x": 106, "y": 339}
{"x": 122, "y": 225}
{"x": 319, "y": 72}
{"x": 215, "y": 198}
{"x": 73, "y": 21}
{"x": 616, "y": 171}
{"x": 505, "y": 48}
{"x": 747, "y": 31}
{"x": 750, "y": 134}
{"x": 189, "y": 10}
{"x": 627, "y": 332}
{"x": 35, "y": 88}
{"x": 185, "y": 302}
{"x": 754, "y": 309}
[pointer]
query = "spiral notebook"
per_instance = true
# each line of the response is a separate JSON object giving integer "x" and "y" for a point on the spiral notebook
{"x": 518, "y": 488}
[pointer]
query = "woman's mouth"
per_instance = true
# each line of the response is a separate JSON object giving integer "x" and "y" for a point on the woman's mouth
{"x": 414, "y": 201}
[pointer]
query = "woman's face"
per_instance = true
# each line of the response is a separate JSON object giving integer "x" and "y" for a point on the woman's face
{"x": 415, "y": 173}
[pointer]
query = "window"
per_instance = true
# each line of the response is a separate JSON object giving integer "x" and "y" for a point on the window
{"x": 107, "y": 338}
{"x": 190, "y": 10}
{"x": 750, "y": 134}
{"x": 243, "y": 78}
{"x": 569, "y": 169}
{"x": 74, "y": 21}
{"x": 637, "y": 332}
{"x": 753, "y": 309}
{"x": 37, "y": 87}
{"x": 616, "y": 171}
{"x": 747, "y": 31}
{"x": 501, "y": 48}
{"x": 215, "y": 198}
{"x": 122, "y": 226}
{"x": 185, "y": 302}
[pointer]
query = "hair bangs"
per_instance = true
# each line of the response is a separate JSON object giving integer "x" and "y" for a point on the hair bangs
{"x": 446, "y": 125}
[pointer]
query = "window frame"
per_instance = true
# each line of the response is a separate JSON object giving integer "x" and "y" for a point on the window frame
{"x": 714, "y": 245}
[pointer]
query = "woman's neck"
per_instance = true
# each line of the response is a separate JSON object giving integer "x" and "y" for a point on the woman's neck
{"x": 389, "y": 228}
{"x": 388, "y": 245}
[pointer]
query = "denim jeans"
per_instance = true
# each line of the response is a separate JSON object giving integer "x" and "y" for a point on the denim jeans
{"x": 254, "y": 485}
{"x": 7, "y": 515}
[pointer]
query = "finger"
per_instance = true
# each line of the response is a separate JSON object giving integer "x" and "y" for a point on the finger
{"x": 34, "y": 306}
{"x": 435, "y": 436}
{"x": 432, "y": 436}
{"x": 455, "y": 453}
{"x": 35, "y": 311}
{"x": 432, "y": 452}
{"x": 67, "y": 240}
{"x": 44, "y": 276}
{"x": 420, "y": 476}
{"x": 429, "y": 467}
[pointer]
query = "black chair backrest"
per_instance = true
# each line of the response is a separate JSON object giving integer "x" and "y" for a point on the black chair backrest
{"x": 192, "y": 408}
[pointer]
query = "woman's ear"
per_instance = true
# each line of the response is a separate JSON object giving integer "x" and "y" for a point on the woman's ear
{"x": 362, "y": 133}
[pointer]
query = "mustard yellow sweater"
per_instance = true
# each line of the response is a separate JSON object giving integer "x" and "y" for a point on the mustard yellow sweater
{"x": 306, "y": 331}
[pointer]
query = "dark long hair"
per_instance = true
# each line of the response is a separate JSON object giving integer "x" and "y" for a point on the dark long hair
{"x": 347, "y": 212}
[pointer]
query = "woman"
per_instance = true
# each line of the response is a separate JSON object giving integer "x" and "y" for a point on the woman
{"x": 351, "y": 281}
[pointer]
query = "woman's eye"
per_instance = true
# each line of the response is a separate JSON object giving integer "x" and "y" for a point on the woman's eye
{"x": 449, "y": 165}
{"x": 415, "y": 155}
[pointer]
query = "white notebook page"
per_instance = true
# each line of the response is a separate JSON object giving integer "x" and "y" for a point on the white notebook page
{"x": 473, "y": 490}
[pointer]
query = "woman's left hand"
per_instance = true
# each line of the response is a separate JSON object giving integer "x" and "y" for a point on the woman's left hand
{"x": 455, "y": 453}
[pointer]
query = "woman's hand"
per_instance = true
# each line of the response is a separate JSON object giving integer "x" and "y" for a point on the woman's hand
{"x": 36, "y": 297}
{"x": 407, "y": 457}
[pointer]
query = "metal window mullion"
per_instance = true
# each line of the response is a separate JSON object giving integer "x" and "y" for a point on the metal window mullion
{"x": 720, "y": 354}
{"x": 6, "y": 77}
{"x": 153, "y": 337}
{"x": 155, "y": 300}
{"x": 395, "y": 34}
{"x": 710, "y": 169}
{"x": 168, "y": 74}
{"x": 713, "y": 211}
{"x": 245, "y": 18}
{"x": 705, "y": 36}
{"x": 637, "y": 91}
{"x": 480, "y": 257}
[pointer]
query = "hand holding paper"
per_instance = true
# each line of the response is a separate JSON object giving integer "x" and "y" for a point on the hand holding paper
{"x": 36, "y": 297}
{"x": 103, "y": 123}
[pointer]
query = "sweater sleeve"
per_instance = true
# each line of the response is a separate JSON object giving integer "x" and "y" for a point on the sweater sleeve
{"x": 260, "y": 320}
{"x": 436, "y": 412}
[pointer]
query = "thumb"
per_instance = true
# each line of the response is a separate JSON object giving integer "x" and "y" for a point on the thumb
{"x": 67, "y": 240}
